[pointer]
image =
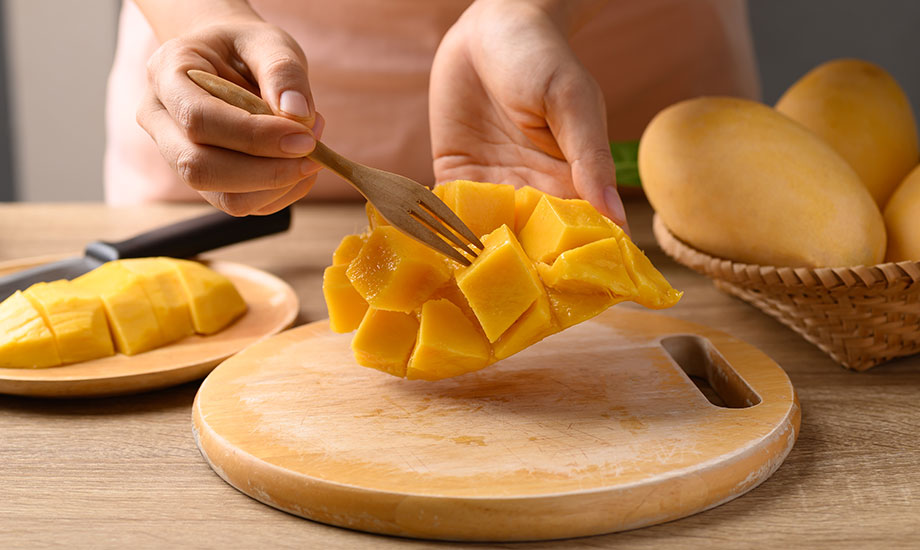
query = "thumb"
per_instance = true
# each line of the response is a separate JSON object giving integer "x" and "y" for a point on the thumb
{"x": 577, "y": 116}
{"x": 280, "y": 68}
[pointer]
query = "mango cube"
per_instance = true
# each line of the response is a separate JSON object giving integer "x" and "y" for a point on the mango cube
{"x": 654, "y": 291}
{"x": 384, "y": 341}
{"x": 570, "y": 309}
{"x": 500, "y": 284}
{"x": 430, "y": 318}
{"x": 166, "y": 294}
{"x": 483, "y": 207}
{"x": 534, "y": 325}
{"x": 393, "y": 272}
{"x": 25, "y": 339}
{"x": 130, "y": 314}
{"x": 346, "y": 307}
{"x": 525, "y": 200}
{"x": 76, "y": 319}
{"x": 348, "y": 249}
{"x": 557, "y": 225}
{"x": 450, "y": 291}
{"x": 214, "y": 302}
{"x": 590, "y": 268}
{"x": 448, "y": 344}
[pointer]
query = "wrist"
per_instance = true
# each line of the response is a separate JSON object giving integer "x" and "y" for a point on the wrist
{"x": 172, "y": 18}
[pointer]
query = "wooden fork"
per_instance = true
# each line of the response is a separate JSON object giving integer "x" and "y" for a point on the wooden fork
{"x": 408, "y": 205}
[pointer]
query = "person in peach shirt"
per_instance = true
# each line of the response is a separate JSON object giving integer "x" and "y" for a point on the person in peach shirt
{"x": 507, "y": 91}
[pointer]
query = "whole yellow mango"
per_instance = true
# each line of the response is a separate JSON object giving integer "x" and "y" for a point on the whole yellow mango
{"x": 738, "y": 180}
{"x": 862, "y": 112}
{"x": 902, "y": 220}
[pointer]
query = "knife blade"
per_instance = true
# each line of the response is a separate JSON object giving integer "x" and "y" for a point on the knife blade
{"x": 179, "y": 240}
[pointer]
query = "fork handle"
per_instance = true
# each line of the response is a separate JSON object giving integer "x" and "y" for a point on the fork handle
{"x": 248, "y": 101}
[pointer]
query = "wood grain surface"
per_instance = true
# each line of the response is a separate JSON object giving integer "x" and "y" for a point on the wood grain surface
{"x": 125, "y": 472}
{"x": 597, "y": 429}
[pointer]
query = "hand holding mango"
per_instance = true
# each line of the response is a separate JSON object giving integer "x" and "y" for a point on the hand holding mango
{"x": 799, "y": 185}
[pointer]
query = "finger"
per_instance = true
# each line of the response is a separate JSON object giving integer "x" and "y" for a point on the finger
{"x": 293, "y": 195}
{"x": 577, "y": 116}
{"x": 207, "y": 120}
{"x": 208, "y": 168}
{"x": 280, "y": 67}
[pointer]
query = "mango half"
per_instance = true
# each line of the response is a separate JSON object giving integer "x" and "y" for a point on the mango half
{"x": 548, "y": 264}
{"x": 129, "y": 306}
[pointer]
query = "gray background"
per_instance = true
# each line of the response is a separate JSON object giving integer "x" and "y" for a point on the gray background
{"x": 793, "y": 36}
{"x": 790, "y": 37}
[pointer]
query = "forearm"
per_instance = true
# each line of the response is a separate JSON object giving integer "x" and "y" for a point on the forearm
{"x": 172, "y": 18}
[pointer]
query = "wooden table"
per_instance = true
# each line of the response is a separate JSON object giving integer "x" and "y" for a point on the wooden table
{"x": 125, "y": 472}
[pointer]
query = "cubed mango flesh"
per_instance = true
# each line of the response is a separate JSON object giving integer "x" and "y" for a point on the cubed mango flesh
{"x": 384, "y": 340}
{"x": 166, "y": 294}
{"x": 557, "y": 225}
{"x": 346, "y": 307}
{"x": 534, "y": 325}
{"x": 448, "y": 344}
{"x": 483, "y": 207}
{"x": 75, "y": 317}
{"x": 525, "y": 200}
{"x": 214, "y": 302}
{"x": 501, "y": 284}
{"x": 654, "y": 291}
{"x": 25, "y": 339}
{"x": 131, "y": 305}
{"x": 394, "y": 272}
{"x": 430, "y": 318}
{"x": 591, "y": 268}
{"x": 348, "y": 249}
{"x": 132, "y": 320}
{"x": 569, "y": 309}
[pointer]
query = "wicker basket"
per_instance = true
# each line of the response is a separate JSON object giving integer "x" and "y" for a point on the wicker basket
{"x": 861, "y": 316}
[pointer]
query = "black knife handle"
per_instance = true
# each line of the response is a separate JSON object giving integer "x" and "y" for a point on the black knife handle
{"x": 193, "y": 236}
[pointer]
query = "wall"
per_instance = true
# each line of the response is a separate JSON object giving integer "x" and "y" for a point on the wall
{"x": 58, "y": 56}
{"x": 793, "y": 36}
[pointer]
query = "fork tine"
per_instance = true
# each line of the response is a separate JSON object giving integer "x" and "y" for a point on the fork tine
{"x": 437, "y": 207}
{"x": 424, "y": 234}
{"x": 439, "y": 228}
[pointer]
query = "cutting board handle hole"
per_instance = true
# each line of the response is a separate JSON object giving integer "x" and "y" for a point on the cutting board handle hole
{"x": 715, "y": 378}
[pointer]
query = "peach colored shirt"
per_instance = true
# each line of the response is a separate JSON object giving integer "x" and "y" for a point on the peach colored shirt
{"x": 369, "y": 63}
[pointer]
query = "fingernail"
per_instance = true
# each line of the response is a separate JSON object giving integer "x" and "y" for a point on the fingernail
{"x": 309, "y": 167}
{"x": 297, "y": 144}
{"x": 614, "y": 205}
{"x": 294, "y": 103}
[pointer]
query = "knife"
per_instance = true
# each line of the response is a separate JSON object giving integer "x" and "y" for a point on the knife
{"x": 179, "y": 240}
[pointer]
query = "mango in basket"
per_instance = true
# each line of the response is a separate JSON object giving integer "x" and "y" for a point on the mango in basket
{"x": 864, "y": 115}
{"x": 130, "y": 306}
{"x": 902, "y": 219}
{"x": 419, "y": 315}
{"x": 738, "y": 180}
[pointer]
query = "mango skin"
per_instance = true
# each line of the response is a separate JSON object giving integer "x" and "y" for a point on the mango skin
{"x": 734, "y": 178}
{"x": 902, "y": 220}
{"x": 862, "y": 112}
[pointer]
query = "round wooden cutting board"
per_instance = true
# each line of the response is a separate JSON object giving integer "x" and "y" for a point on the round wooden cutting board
{"x": 594, "y": 430}
{"x": 272, "y": 307}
